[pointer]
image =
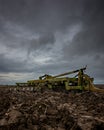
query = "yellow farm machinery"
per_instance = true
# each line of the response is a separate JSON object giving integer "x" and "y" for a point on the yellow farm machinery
{"x": 79, "y": 82}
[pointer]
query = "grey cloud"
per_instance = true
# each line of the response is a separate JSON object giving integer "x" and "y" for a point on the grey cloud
{"x": 42, "y": 16}
{"x": 44, "y": 42}
{"x": 19, "y": 39}
{"x": 12, "y": 65}
{"x": 89, "y": 41}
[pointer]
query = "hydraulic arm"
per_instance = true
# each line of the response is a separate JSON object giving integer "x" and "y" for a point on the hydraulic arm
{"x": 71, "y": 72}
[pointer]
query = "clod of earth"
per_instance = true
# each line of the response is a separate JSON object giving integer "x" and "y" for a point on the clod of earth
{"x": 24, "y": 110}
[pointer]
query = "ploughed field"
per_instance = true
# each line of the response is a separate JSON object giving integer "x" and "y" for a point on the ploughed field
{"x": 50, "y": 110}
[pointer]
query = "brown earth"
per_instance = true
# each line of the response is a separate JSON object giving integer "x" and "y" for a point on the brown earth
{"x": 25, "y": 110}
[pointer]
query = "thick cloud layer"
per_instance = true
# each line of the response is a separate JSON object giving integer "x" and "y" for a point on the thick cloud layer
{"x": 50, "y": 36}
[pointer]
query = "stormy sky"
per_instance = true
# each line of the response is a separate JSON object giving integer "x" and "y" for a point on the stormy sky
{"x": 50, "y": 37}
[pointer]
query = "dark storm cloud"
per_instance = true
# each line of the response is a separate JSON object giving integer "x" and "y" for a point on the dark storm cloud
{"x": 89, "y": 42}
{"x": 43, "y": 42}
{"x": 42, "y": 16}
{"x": 90, "y": 39}
{"x": 14, "y": 36}
{"x": 8, "y": 65}
{"x": 40, "y": 33}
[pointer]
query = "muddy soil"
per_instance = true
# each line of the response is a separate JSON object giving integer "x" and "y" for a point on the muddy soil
{"x": 28, "y": 110}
